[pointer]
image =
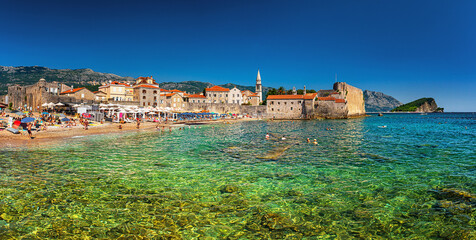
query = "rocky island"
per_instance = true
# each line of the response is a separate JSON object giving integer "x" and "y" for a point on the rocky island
{"x": 421, "y": 105}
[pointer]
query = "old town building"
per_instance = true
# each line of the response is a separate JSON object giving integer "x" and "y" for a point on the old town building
{"x": 342, "y": 101}
{"x": 80, "y": 94}
{"x": 34, "y": 96}
{"x": 100, "y": 96}
{"x": 197, "y": 98}
{"x": 117, "y": 91}
{"x": 234, "y": 96}
{"x": 217, "y": 94}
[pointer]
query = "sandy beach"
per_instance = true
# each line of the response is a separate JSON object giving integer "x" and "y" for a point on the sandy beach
{"x": 58, "y": 134}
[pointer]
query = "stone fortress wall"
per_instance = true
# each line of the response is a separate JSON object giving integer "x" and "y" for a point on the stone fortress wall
{"x": 354, "y": 97}
{"x": 329, "y": 109}
{"x": 258, "y": 111}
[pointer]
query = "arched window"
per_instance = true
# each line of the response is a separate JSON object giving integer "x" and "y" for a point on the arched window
{"x": 155, "y": 91}
{"x": 144, "y": 91}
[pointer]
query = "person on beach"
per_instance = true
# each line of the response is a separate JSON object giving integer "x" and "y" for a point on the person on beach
{"x": 138, "y": 123}
{"x": 29, "y": 130}
{"x": 86, "y": 123}
{"x": 120, "y": 126}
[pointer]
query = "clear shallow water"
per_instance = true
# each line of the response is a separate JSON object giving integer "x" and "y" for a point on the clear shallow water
{"x": 413, "y": 179}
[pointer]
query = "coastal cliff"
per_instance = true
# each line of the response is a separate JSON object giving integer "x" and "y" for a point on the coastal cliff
{"x": 421, "y": 105}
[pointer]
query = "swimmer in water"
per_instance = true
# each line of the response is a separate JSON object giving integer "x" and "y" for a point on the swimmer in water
{"x": 308, "y": 140}
{"x": 267, "y": 136}
{"x": 315, "y": 142}
{"x": 283, "y": 138}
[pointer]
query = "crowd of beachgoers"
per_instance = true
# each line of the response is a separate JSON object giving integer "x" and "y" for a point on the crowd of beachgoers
{"x": 27, "y": 128}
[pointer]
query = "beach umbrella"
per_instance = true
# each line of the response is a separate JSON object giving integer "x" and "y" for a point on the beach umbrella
{"x": 65, "y": 120}
{"x": 62, "y": 115}
{"x": 51, "y": 104}
{"x": 59, "y": 104}
{"x": 76, "y": 105}
{"x": 44, "y": 104}
{"x": 45, "y": 113}
{"x": 27, "y": 120}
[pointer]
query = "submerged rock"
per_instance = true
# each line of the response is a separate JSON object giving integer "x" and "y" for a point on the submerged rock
{"x": 276, "y": 221}
{"x": 229, "y": 188}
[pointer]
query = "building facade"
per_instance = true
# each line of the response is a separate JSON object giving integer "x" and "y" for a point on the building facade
{"x": 217, "y": 94}
{"x": 197, "y": 98}
{"x": 100, "y": 96}
{"x": 147, "y": 95}
{"x": 234, "y": 96}
{"x": 80, "y": 94}
{"x": 117, "y": 91}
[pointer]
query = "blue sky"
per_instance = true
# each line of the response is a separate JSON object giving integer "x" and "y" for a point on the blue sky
{"x": 407, "y": 49}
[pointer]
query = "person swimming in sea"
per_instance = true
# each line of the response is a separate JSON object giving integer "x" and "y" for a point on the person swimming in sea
{"x": 267, "y": 136}
{"x": 308, "y": 140}
{"x": 283, "y": 138}
{"x": 315, "y": 142}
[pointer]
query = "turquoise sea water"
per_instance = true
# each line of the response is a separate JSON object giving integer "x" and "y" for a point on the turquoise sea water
{"x": 414, "y": 179}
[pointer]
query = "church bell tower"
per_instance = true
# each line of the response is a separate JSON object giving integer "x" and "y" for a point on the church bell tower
{"x": 259, "y": 91}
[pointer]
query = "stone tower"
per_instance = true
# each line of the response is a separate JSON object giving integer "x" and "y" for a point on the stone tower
{"x": 259, "y": 90}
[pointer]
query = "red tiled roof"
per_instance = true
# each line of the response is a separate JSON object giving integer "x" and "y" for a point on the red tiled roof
{"x": 196, "y": 96}
{"x": 253, "y": 95}
{"x": 277, "y": 97}
{"x": 72, "y": 90}
{"x": 340, "y": 100}
{"x": 119, "y": 83}
{"x": 175, "y": 90}
{"x": 217, "y": 89}
{"x": 310, "y": 96}
{"x": 326, "y": 98}
{"x": 146, "y": 86}
{"x": 144, "y": 80}
{"x": 96, "y": 92}
{"x": 168, "y": 94}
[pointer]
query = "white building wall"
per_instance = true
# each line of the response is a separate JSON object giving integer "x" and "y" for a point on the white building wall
{"x": 234, "y": 96}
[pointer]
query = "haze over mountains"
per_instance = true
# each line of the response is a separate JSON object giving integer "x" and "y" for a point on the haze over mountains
{"x": 26, "y": 75}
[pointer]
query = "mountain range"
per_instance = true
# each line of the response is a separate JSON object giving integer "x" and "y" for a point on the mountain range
{"x": 379, "y": 102}
{"x": 87, "y": 77}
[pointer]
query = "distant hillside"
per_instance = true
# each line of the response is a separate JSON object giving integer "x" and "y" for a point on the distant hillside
{"x": 77, "y": 77}
{"x": 420, "y": 105}
{"x": 379, "y": 102}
